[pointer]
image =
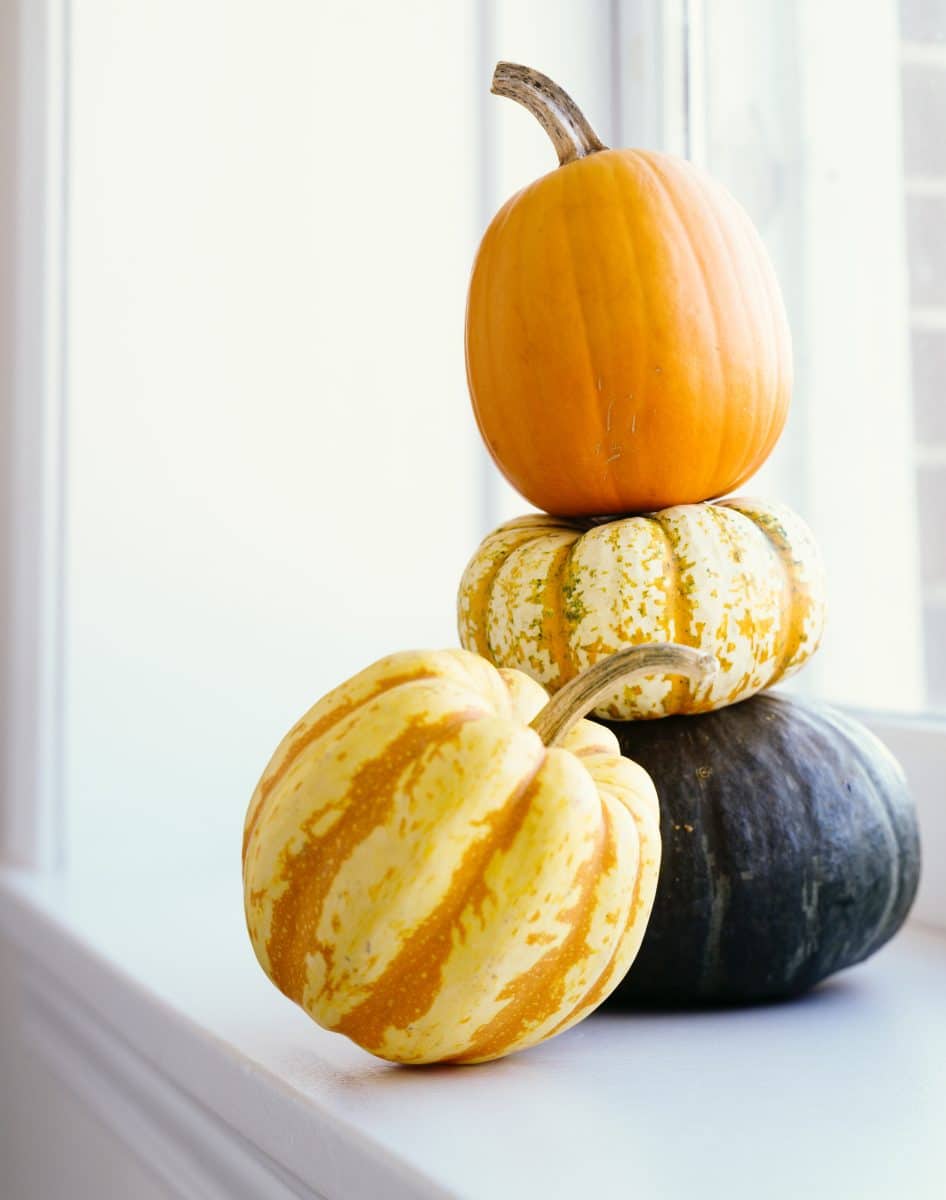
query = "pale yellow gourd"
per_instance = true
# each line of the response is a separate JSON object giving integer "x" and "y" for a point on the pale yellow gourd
{"x": 429, "y": 872}
{"x": 741, "y": 580}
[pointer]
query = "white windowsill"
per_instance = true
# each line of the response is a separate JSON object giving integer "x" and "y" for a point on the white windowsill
{"x": 144, "y": 997}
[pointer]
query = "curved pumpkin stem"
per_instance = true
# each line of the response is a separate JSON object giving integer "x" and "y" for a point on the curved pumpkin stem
{"x": 552, "y": 107}
{"x": 579, "y": 697}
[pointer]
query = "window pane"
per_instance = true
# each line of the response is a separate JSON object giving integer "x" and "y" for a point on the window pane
{"x": 835, "y": 145}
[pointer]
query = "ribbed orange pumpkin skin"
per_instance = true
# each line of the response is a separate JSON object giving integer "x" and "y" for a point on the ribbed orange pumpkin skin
{"x": 626, "y": 342}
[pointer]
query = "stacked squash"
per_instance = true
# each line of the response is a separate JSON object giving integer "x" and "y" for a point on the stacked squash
{"x": 443, "y": 859}
{"x": 629, "y": 361}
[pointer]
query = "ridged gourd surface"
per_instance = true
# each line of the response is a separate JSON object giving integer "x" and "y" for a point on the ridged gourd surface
{"x": 741, "y": 579}
{"x": 790, "y": 851}
{"x": 422, "y": 874}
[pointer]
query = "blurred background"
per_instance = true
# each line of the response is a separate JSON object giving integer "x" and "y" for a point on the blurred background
{"x": 239, "y": 457}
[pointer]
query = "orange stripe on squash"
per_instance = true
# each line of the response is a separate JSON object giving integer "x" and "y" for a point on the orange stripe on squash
{"x": 409, "y": 986}
{"x": 310, "y": 872}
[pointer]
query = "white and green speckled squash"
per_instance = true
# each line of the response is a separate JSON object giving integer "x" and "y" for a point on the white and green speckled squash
{"x": 741, "y": 579}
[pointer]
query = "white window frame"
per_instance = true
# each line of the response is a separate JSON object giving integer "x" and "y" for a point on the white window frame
{"x": 32, "y": 339}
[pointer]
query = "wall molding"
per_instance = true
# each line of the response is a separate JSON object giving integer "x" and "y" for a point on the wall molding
{"x": 32, "y": 536}
{"x": 210, "y": 1122}
{"x": 179, "y": 1140}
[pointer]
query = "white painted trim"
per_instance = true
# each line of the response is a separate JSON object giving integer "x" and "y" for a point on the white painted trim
{"x": 651, "y": 51}
{"x": 930, "y": 454}
{"x": 695, "y": 81}
{"x": 180, "y": 1141}
{"x": 924, "y": 185}
{"x": 485, "y": 56}
{"x": 31, "y": 830}
{"x": 923, "y": 54}
{"x": 928, "y": 318}
{"x": 197, "y": 1112}
{"x": 9, "y": 112}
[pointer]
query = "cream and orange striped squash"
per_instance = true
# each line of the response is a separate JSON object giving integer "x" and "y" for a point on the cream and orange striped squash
{"x": 741, "y": 579}
{"x": 429, "y": 875}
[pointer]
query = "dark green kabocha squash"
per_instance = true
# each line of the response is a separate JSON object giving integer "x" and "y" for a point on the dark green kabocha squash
{"x": 790, "y": 850}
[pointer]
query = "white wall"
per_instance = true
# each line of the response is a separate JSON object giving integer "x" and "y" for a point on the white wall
{"x": 273, "y": 471}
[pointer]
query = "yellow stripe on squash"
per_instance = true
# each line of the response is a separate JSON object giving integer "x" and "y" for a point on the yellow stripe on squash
{"x": 424, "y": 875}
{"x": 741, "y": 580}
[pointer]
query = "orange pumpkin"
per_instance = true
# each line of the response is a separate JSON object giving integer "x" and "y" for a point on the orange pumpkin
{"x": 627, "y": 347}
